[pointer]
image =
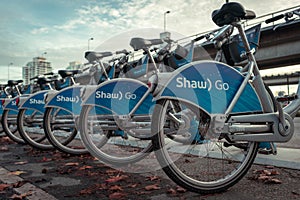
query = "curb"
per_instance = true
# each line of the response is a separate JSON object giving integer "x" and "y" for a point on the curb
{"x": 35, "y": 192}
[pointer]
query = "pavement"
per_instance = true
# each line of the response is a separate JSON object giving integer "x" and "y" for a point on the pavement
{"x": 29, "y": 174}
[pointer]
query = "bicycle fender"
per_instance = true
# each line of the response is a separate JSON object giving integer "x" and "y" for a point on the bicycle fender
{"x": 10, "y": 104}
{"x": 120, "y": 96}
{"x": 66, "y": 99}
{"x": 34, "y": 101}
{"x": 211, "y": 86}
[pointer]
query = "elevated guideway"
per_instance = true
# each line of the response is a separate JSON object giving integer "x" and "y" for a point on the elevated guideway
{"x": 279, "y": 41}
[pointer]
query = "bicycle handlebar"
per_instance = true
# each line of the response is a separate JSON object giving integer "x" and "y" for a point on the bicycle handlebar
{"x": 273, "y": 19}
{"x": 124, "y": 51}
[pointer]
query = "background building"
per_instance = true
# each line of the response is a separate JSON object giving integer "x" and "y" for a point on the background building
{"x": 74, "y": 65}
{"x": 38, "y": 66}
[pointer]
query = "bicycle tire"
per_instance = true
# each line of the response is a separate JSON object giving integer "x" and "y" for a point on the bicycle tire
{"x": 212, "y": 172}
{"x": 10, "y": 126}
{"x": 97, "y": 146}
{"x": 60, "y": 138}
{"x": 32, "y": 132}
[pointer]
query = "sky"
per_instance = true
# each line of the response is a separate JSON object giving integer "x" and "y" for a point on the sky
{"x": 62, "y": 28}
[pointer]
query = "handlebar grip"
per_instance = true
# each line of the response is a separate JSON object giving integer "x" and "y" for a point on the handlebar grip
{"x": 124, "y": 51}
{"x": 199, "y": 38}
{"x": 273, "y": 19}
{"x": 33, "y": 78}
{"x": 50, "y": 73}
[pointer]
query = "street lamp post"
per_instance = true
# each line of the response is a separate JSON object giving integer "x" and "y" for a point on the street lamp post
{"x": 89, "y": 42}
{"x": 167, "y": 12}
{"x": 8, "y": 69}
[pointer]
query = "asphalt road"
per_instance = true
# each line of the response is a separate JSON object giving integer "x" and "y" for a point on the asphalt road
{"x": 50, "y": 175}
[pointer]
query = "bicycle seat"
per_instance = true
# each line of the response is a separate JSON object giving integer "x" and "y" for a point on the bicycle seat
{"x": 92, "y": 55}
{"x": 43, "y": 80}
{"x": 66, "y": 73}
{"x": 231, "y": 12}
{"x": 14, "y": 82}
{"x": 141, "y": 43}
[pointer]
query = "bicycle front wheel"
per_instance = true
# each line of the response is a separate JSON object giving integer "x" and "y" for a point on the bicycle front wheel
{"x": 30, "y": 127}
{"x": 61, "y": 131}
{"x": 106, "y": 141}
{"x": 9, "y": 124}
{"x": 209, "y": 166}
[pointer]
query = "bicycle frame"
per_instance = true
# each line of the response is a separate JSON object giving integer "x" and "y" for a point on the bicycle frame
{"x": 228, "y": 97}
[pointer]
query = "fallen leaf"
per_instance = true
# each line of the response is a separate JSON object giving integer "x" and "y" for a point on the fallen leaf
{"x": 171, "y": 191}
{"x": 72, "y": 164}
{"x": 274, "y": 181}
{"x": 46, "y": 159}
{"x": 180, "y": 189}
{"x": 152, "y": 178}
{"x": 3, "y": 187}
{"x": 116, "y": 179}
{"x": 152, "y": 187}
{"x": 85, "y": 167}
{"x": 133, "y": 185}
{"x": 267, "y": 172}
{"x": 17, "y": 173}
{"x": 5, "y": 148}
{"x": 19, "y": 184}
{"x": 20, "y": 196}
{"x": 87, "y": 191}
{"x": 115, "y": 188}
{"x": 275, "y": 172}
{"x": 112, "y": 171}
{"x": 21, "y": 163}
{"x": 117, "y": 195}
{"x": 263, "y": 177}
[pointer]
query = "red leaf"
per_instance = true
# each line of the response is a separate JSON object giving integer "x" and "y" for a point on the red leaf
{"x": 72, "y": 164}
{"x": 116, "y": 195}
{"x": 275, "y": 172}
{"x": 152, "y": 187}
{"x": 180, "y": 189}
{"x": 46, "y": 159}
{"x": 152, "y": 178}
{"x": 116, "y": 179}
{"x": 86, "y": 191}
{"x": 115, "y": 188}
{"x": 85, "y": 167}
{"x": 171, "y": 191}
{"x": 267, "y": 172}
{"x": 274, "y": 181}
{"x": 3, "y": 187}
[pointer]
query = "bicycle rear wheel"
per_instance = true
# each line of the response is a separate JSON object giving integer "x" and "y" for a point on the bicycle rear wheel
{"x": 209, "y": 167}
{"x": 60, "y": 130}
{"x": 102, "y": 137}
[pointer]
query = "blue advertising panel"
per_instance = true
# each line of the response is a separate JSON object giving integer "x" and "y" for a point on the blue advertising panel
{"x": 35, "y": 101}
{"x": 212, "y": 86}
{"x": 120, "y": 96}
{"x": 67, "y": 99}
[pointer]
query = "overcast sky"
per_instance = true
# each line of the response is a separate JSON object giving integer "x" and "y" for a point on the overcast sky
{"x": 62, "y": 27}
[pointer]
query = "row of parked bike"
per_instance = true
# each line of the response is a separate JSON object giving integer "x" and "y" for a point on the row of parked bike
{"x": 192, "y": 114}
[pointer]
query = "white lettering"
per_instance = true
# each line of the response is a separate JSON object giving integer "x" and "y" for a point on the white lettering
{"x": 185, "y": 83}
{"x": 104, "y": 95}
{"x": 67, "y": 99}
{"x": 36, "y": 101}
{"x": 221, "y": 86}
{"x": 129, "y": 95}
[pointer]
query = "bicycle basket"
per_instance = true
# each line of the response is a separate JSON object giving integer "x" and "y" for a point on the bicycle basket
{"x": 236, "y": 47}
